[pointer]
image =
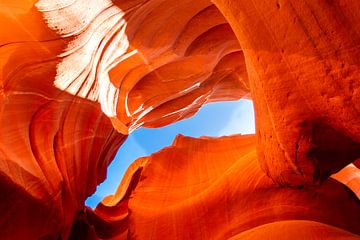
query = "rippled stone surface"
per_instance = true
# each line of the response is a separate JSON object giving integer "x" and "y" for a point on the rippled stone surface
{"x": 302, "y": 62}
{"x": 76, "y": 77}
{"x": 214, "y": 188}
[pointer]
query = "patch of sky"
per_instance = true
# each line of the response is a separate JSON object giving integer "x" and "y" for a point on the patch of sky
{"x": 214, "y": 119}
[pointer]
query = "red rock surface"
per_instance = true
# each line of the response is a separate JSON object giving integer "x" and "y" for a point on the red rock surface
{"x": 144, "y": 72}
{"x": 350, "y": 176}
{"x": 303, "y": 63}
{"x": 54, "y": 147}
{"x": 214, "y": 188}
{"x": 77, "y": 76}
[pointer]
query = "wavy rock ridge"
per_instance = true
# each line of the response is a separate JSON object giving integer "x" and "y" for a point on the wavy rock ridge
{"x": 223, "y": 193}
{"x": 78, "y": 76}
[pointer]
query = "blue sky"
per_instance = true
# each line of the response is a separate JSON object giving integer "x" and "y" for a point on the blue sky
{"x": 214, "y": 119}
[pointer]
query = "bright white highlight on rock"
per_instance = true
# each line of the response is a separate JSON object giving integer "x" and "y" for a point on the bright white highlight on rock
{"x": 99, "y": 43}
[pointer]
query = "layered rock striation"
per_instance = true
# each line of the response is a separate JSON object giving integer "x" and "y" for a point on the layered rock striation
{"x": 76, "y": 77}
{"x": 214, "y": 188}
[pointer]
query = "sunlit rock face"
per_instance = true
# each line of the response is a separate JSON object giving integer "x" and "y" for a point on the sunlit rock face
{"x": 214, "y": 188}
{"x": 78, "y": 76}
{"x": 302, "y": 59}
{"x": 71, "y": 71}
{"x": 147, "y": 63}
{"x": 54, "y": 146}
{"x": 350, "y": 176}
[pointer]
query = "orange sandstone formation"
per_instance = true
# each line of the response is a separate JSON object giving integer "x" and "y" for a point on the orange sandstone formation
{"x": 303, "y": 63}
{"x": 350, "y": 176}
{"x": 214, "y": 188}
{"x": 144, "y": 72}
{"x": 69, "y": 70}
{"x": 76, "y": 77}
{"x": 54, "y": 147}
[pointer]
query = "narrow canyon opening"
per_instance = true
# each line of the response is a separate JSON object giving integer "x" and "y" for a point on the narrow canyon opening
{"x": 214, "y": 120}
{"x": 136, "y": 103}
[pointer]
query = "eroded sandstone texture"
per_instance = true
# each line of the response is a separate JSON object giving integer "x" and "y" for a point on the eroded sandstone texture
{"x": 303, "y": 63}
{"x": 214, "y": 188}
{"x": 76, "y": 77}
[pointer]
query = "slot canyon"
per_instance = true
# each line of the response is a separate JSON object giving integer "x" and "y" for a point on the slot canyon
{"x": 78, "y": 77}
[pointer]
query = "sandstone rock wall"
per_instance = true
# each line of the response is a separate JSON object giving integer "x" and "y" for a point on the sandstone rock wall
{"x": 76, "y": 77}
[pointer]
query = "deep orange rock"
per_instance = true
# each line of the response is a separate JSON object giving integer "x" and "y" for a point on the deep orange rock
{"x": 69, "y": 73}
{"x": 214, "y": 188}
{"x": 295, "y": 230}
{"x": 77, "y": 77}
{"x": 141, "y": 71}
{"x": 54, "y": 147}
{"x": 302, "y": 61}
